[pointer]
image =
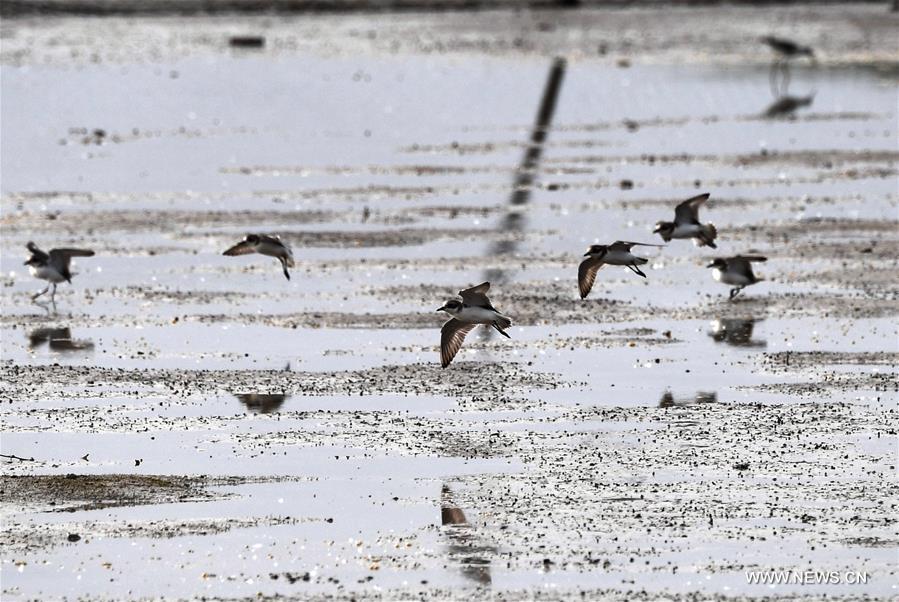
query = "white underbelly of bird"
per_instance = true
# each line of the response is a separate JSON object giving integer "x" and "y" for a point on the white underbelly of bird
{"x": 479, "y": 315}
{"x": 731, "y": 278}
{"x": 47, "y": 273}
{"x": 622, "y": 258}
{"x": 687, "y": 231}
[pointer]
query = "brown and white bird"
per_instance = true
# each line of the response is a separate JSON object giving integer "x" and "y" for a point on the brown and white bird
{"x": 686, "y": 224}
{"x": 52, "y": 267}
{"x": 736, "y": 271}
{"x": 264, "y": 244}
{"x": 617, "y": 253}
{"x": 475, "y": 308}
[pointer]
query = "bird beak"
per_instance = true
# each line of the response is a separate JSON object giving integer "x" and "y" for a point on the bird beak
{"x": 442, "y": 308}
{"x": 587, "y": 254}
{"x": 711, "y": 265}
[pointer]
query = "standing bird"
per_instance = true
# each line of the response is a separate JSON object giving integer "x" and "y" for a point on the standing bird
{"x": 788, "y": 49}
{"x": 780, "y": 68}
{"x": 736, "y": 271}
{"x": 52, "y": 267}
{"x": 686, "y": 224}
{"x": 617, "y": 253}
{"x": 474, "y": 309}
{"x": 265, "y": 245}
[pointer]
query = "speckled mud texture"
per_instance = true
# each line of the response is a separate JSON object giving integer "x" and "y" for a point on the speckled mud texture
{"x": 188, "y": 425}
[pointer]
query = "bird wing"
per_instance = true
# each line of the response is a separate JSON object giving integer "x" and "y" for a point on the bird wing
{"x": 242, "y": 248}
{"x": 451, "y": 337}
{"x": 62, "y": 257}
{"x": 37, "y": 252}
{"x": 625, "y": 245}
{"x": 586, "y": 275}
{"x": 476, "y": 296}
{"x": 742, "y": 264}
{"x": 688, "y": 211}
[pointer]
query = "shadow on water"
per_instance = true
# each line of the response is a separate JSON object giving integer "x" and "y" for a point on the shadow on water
{"x": 57, "y": 339}
{"x": 669, "y": 400}
{"x": 514, "y": 221}
{"x": 736, "y": 332}
{"x": 465, "y": 547}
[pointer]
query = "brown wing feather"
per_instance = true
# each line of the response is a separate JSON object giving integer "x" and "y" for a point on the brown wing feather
{"x": 625, "y": 245}
{"x": 451, "y": 337}
{"x": 476, "y": 296}
{"x": 688, "y": 211}
{"x": 586, "y": 275}
{"x": 71, "y": 253}
{"x": 241, "y": 248}
{"x": 62, "y": 257}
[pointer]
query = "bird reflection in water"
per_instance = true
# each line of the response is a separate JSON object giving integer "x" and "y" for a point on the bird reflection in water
{"x": 736, "y": 332}
{"x": 669, "y": 401}
{"x": 786, "y": 106}
{"x": 57, "y": 339}
{"x": 465, "y": 547}
{"x": 262, "y": 403}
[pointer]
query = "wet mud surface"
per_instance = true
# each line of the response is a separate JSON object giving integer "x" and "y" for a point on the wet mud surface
{"x": 191, "y": 425}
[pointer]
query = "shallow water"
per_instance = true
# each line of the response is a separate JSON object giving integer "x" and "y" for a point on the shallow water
{"x": 390, "y": 175}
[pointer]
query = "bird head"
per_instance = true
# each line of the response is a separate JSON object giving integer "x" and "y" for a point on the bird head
{"x": 452, "y": 307}
{"x": 253, "y": 239}
{"x": 718, "y": 263}
{"x": 596, "y": 251}
{"x": 663, "y": 228}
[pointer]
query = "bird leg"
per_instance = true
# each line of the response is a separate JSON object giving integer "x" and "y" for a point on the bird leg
{"x": 53, "y": 297}
{"x": 35, "y": 296}
{"x": 636, "y": 270}
{"x": 284, "y": 266}
{"x": 735, "y": 291}
{"x": 500, "y": 330}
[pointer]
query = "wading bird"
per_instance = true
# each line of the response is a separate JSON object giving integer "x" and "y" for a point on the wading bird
{"x": 736, "y": 271}
{"x": 474, "y": 309}
{"x": 686, "y": 224}
{"x": 617, "y": 253}
{"x": 264, "y": 245}
{"x": 52, "y": 267}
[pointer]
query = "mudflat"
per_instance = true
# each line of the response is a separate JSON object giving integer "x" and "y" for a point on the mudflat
{"x": 192, "y": 425}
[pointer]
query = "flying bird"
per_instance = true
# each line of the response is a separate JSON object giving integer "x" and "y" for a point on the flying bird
{"x": 617, "y": 253}
{"x": 686, "y": 224}
{"x": 474, "y": 309}
{"x": 52, "y": 267}
{"x": 264, "y": 245}
{"x": 736, "y": 271}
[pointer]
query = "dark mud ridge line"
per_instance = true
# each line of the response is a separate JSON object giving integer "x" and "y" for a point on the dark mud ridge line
{"x": 74, "y": 492}
{"x": 18, "y": 383}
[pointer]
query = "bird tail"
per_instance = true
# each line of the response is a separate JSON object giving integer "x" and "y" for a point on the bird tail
{"x": 503, "y": 322}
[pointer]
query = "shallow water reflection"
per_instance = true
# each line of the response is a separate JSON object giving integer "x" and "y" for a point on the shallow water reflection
{"x": 465, "y": 547}
{"x": 669, "y": 400}
{"x": 262, "y": 403}
{"x": 785, "y": 106}
{"x": 57, "y": 339}
{"x": 736, "y": 331}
